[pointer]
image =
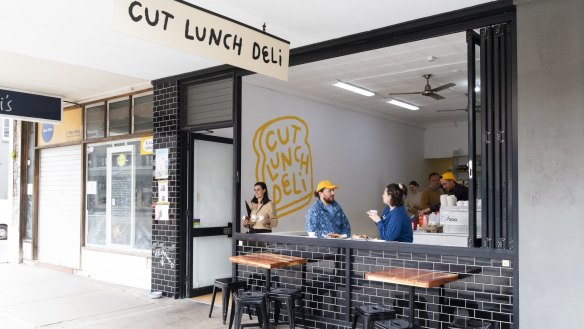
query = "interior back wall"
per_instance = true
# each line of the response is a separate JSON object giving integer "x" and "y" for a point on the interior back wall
{"x": 358, "y": 152}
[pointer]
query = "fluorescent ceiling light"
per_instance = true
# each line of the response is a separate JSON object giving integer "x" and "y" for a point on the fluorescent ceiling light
{"x": 403, "y": 104}
{"x": 355, "y": 89}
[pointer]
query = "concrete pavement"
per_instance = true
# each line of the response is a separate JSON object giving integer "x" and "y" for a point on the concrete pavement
{"x": 36, "y": 297}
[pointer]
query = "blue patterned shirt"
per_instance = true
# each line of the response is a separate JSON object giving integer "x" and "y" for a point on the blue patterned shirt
{"x": 321, "y": 221}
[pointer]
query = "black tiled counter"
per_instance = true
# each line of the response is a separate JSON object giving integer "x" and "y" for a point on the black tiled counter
{"x": 333, "y": 279}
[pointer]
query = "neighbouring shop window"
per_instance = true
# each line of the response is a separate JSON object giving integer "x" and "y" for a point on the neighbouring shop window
{"x": 6, "y": 130}
{"x": 125, "y": 116}
{"x": 119, "y": 117}
{"x": 119, "y": 196}
{"x": 95, "y": 121}
{"x": 28, "y": 235}
{"x": 4, "y": 159}
{"x": 143, "y": 113}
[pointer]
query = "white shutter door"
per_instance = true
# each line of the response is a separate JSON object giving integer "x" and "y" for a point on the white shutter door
{"x": 59, "y": 217}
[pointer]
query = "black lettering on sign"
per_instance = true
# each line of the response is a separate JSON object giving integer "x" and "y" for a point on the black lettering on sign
{"x": 187, "y": 35}
{"x": 5, "y": 104}
{"x": 256, "y": 51}
{"x": 155, "y": 21}
{"x": 215, "y": 37}
{"x": 237, "y": 44}
{"x": 166, "y": 16}
{"x": 200, "y": 36}
{"x": 149, "y": 19}
{"x": 267, "y": 54}
{"x": 132, "y": 16}
{"x": 225, "y": 38}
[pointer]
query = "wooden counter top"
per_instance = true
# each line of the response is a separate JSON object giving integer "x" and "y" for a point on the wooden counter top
{"x": 412, "y": 277}
{"x": 268, "y": 260}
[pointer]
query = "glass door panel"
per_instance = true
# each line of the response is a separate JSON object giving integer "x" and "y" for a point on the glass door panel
{"x": 212, "y": 204}
{"x": 120, "y": 195}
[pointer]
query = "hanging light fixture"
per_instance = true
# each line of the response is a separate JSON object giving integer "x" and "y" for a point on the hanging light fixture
{"x": 353, "y": 88}
{"x": 403, "y": 104}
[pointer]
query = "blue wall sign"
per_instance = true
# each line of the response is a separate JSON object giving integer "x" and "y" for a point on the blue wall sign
{"x": 30, "y": 107}
{"x": 47, "y": 130}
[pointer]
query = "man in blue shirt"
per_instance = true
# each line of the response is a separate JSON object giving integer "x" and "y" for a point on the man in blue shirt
{"x": 326, "y": 215}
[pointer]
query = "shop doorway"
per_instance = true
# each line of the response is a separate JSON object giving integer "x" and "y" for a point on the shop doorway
{"x": 210, "y": 208}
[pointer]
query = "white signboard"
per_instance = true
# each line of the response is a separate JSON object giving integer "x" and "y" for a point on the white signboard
{"x": 198, "y": 31}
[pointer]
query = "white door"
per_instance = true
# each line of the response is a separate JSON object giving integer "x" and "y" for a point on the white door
{"x": 212, "y": 207}
{"x": 59, "y": 208}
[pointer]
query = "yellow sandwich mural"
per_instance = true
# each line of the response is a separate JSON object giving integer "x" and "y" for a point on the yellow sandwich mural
{"x": 284, "y": 162}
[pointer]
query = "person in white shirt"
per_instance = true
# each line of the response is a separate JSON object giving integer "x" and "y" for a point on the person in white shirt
{"x": 414, "y": 198}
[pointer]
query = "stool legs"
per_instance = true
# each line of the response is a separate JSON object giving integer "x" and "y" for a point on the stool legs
{"x": 213, "y": 300}
{"x": 291, "y": 306}
{"x": 225, "y": 296}
{"x": 265, "y": 315}
{"x": 291, "y": 312}
{"x": 302, "y": 312}
{"x": 355, "y": 319}
{"x": 232, "y": 314}
{"x": 237, "y": 317}
{"x": 277, "y": 306}
{"x": 237, "y": 313}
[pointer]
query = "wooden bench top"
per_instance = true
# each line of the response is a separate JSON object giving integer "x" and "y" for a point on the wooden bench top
{"x": 267, "y": 260}
{"x": 412, "y": 277}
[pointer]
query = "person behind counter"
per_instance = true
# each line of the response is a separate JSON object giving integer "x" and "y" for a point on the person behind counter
{"x": 451, "y": 187}
{"x": 430, "y": 199}
{"x": 394, "y": 223}
{"x": 413, "y": 199}
{"x": 326, "y": 215}
{"x": 262, "y": 209}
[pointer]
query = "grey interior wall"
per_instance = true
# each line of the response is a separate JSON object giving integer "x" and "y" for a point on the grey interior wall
{"x": 551, "y": 155}
{"x": 359, "y": 152}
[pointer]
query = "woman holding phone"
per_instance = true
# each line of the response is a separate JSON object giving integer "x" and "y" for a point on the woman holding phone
{"x": 263, "y": 211}
{"x": 394, "y": 224}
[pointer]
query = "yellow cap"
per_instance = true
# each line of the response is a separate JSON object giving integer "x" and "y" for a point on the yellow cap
{"x": 448, "y": 176}
{"x": 324, "y": 184}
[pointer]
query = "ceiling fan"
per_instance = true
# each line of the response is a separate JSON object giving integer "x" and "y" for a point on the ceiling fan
{"x": 428, "y": 90}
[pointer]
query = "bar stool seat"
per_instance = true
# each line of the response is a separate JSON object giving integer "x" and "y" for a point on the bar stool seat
{"x": 288, "y": 296}
{"x": 227, "y": 286}
{"x": 248, "y": 299}
{"x": 372, "y": 314}
{"x": 394, "y": 324}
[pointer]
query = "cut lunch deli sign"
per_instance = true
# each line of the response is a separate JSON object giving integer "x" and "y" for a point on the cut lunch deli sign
{"x": 188, "y": 28}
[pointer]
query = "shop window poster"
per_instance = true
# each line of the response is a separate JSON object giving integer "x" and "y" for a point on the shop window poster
{"x": 162, "y": 191}
{"x": 161, "y": 212}
{"x": 161, "y": 170}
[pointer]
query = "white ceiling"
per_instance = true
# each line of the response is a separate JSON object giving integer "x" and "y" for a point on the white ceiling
{"x": 67, "y": 48}
{"x": 394, "y": 69}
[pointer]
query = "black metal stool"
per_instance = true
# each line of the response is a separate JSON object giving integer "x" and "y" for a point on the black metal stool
{"x": 227, "y": 286}
{"x": 372, "y": 314}
{"x": 464, "y": 323}
{"x": 289, "y": 296}
{"x": 248, "y": 299}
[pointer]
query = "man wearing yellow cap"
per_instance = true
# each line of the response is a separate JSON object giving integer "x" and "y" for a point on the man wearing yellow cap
{"x": 451, "y": 187}
{"x": 326, "y": 215}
